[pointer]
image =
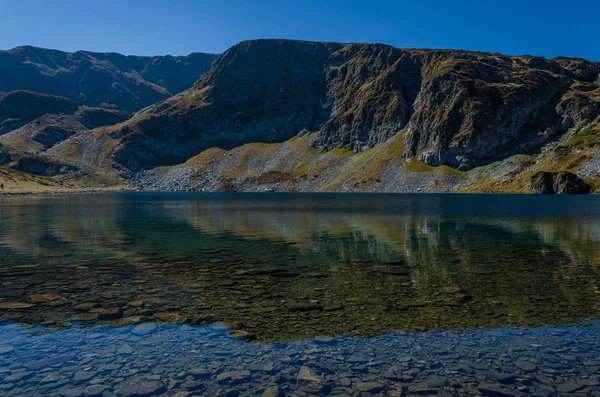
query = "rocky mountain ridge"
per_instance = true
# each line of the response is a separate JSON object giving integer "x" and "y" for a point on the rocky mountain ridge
{"x": 462, "y": 109}
{"x": 31, "y": 122}
{"x": 111, "y": 80}
{"x": 288, "y": 115}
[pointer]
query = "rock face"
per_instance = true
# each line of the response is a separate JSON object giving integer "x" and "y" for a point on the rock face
{"x": 42, "y": 166}
{"x": 31, "y": 122}
{"x": 4, "y": 155}
{"x": 20, "y": 107}
{"x": 100, "y": 79}
{"x": 558, "y": 183}
{"x": 459, "y": 108}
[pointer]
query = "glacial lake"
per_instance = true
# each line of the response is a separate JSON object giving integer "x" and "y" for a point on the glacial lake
{"x": 189, "y": 294}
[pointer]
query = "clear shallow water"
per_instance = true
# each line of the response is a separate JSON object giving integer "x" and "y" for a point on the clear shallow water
{"x": 422, "y": 294}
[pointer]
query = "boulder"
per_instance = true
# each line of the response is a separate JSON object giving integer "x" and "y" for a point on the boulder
{"x": 558, "y": 183}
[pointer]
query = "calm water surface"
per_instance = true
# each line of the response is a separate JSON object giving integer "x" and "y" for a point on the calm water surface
{"x": 285, "y": 294}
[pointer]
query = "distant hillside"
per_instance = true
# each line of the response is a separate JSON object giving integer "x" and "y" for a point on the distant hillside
{"x": 31, "y": 122}
{"x": 100, "y": 79}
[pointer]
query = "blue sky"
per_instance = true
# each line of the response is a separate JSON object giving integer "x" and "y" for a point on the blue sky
{"x": 548, "y": 28}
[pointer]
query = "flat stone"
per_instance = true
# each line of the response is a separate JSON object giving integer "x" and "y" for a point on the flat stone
{"x": 503, "y": 378}
{"x": 358, "y": 360}
{"x": 110, "y": 313}
{"x": 303, "y": 306}
{"x": 181, "y": 394}
{"x": 139, "y": 387}
{"x": 80, "y": 376}
{"x": 6, "y": 350}
{"x": 525, "y": 366}
{"x": 233, "y": 376}
{"x": 345, "y": 382}
{"x": 173, "y": 318}
{"x": 14, "y": 305}
{"x": 325, "y": 341}
{"x": 569, "y": 387}
{"x": 199, "y": 372}
{"x": 272, "y": 391}
{"x": 477, "y": 366}
{"x": 369, "y": 387}
{"x": 54, "y": 377}
{"x": 85, "y": 317}
{"x": 307, "y": 375}
{"x": 192, "y": 384}
{"x": 226, "y": 283}
{"x": 75, "y": 392}
{"x": 86, "y": 307}
{"x": 17, "y": 376}
{"x": 144, "y": 329}
{"x": 6, "y": 386}
{"x": 450, "y": 290}
{"x": 42, "y": 298}
{"x": 493, "y": 391}
{"x": 47, "y": 362}
{"x": 125, "y": 349}
{"x": 435, "y": 382}
{"x": 95, "y": 390}
{"x": 421, "y": 390}
{"x": 544, "y": 392}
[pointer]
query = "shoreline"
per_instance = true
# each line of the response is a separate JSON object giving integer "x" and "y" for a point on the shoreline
{"x": 103, "y": 191}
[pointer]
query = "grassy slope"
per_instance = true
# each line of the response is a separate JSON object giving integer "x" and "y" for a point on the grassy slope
{"x": 16, "y": 182}
{"x": 299, "y": 167}
{"x": 568, "y": 154}
{"x": 296, "y": 165}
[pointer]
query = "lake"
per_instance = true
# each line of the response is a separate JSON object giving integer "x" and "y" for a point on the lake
{"x": 141, "y": 294}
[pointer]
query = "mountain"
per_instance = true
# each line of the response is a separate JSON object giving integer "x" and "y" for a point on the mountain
{"x": 307, "y": 116}
{"x": 461, "y": 109}
{"x": 100, "y": 79}
{"x": 31, "y": 122}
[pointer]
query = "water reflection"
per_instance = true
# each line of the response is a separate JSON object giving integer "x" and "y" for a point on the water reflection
{"x": 283, "y": 267}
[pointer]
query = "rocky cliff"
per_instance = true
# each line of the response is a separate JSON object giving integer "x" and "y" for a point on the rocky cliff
{"x": 459, "y": 108}
{"x": 305, "y": 116}
{"x": 100, "y": 79}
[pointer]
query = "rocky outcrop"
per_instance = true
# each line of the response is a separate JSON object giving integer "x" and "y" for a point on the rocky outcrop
{"x": 31, "y": 122}
{"x": 371, "y": 89}
{"x": 100, "y": 79}
{"x": 261, "y": 91}
{"x": 4, "y": 155}
{"x": 20, "y": 107}
{"x": 475, "y": 109}
{"x": 558, "y": 183}
{"x": 43, "y": 166}
{"x": 459, "y": 108}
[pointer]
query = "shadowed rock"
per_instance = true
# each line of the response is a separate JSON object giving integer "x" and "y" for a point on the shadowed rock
{"x": 558, "y": 183}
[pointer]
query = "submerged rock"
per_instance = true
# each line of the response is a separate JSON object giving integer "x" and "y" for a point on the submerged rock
{"x": 303, "y": 306}
{"x": 15, "y": 305}
{"x": 139, "y": 387}
{"x": 42, "y": 298}
{"x": 110, "y": 313}
{"x": 308, "y": 375}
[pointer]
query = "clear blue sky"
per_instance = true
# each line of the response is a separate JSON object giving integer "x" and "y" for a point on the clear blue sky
{"x": 548, "y": 28}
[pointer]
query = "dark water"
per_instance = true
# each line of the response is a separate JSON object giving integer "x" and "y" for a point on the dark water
{"x": 280, "y": 294}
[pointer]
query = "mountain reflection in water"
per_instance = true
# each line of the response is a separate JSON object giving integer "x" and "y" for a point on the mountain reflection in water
{"x": 279, "y": 267}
